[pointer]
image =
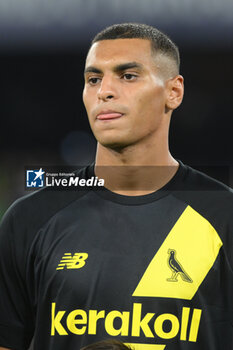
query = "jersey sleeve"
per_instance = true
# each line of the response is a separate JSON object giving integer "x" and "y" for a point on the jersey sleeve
{"x": 16, "y": 316}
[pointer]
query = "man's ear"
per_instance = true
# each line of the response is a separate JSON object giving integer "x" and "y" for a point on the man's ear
{"x": 174, "y": 92}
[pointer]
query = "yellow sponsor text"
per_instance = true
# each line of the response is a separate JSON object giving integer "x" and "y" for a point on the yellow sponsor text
{"x": 138, "y": 324}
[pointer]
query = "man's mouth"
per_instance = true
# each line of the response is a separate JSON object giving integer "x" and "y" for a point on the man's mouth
{"x": 109, "y": 115}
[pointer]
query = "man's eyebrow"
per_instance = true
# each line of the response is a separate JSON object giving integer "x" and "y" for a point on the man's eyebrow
{"x": 92, "y": 69}
{"x": 118, "y": 68}
{"x": 128, "y": 65}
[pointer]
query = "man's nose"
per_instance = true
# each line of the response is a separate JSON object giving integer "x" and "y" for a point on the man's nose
{"x": 107, "y": 89}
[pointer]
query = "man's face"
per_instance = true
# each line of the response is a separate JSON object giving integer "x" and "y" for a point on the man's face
{"x": 124, "y": 93}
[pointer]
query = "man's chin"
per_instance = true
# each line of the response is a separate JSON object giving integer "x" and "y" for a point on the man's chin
{"x": 116, "y": 145}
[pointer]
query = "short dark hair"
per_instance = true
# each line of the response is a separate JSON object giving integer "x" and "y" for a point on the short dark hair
{"x": 108, "y": 344}
{"x": 160, "y": 42}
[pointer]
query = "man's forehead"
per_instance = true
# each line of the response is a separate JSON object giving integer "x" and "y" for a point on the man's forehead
{"x": 119, "y": 49}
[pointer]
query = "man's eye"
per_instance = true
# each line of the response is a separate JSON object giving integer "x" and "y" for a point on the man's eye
{"x": 129, "y": 76}
{"x": 93, "y": 81}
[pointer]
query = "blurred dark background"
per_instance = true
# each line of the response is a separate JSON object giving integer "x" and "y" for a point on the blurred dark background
{"x": 42, "y": 53}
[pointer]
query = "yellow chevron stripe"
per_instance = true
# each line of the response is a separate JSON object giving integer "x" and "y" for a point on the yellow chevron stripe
{"x": 197, "y": 245}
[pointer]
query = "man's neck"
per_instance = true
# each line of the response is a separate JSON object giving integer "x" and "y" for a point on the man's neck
{"x": 135, "y": 170}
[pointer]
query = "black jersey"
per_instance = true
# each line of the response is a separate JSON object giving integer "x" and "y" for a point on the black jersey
{"x": 155, "y": 271}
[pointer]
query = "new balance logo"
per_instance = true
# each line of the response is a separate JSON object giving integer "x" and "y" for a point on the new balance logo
{"x": 77, "y": 261}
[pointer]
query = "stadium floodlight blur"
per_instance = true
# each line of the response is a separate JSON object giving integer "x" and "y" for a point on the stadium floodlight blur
{"x": 58, "y": 23}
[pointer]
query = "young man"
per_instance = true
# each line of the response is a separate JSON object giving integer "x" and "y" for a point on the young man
{"x": 149, "y": 258}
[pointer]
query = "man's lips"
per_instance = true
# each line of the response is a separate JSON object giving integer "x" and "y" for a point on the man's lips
{"x": 109, "y": 115}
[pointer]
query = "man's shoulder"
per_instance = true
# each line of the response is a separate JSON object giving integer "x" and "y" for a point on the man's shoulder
{"x": 44, "y": 199}
{"x": 200, "y": 182}
{"x": 205, "y": 194}
{"x": 37, "y": 207}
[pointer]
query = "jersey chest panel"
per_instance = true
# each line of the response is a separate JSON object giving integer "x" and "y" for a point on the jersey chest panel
{"x": 97, "y": 268}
